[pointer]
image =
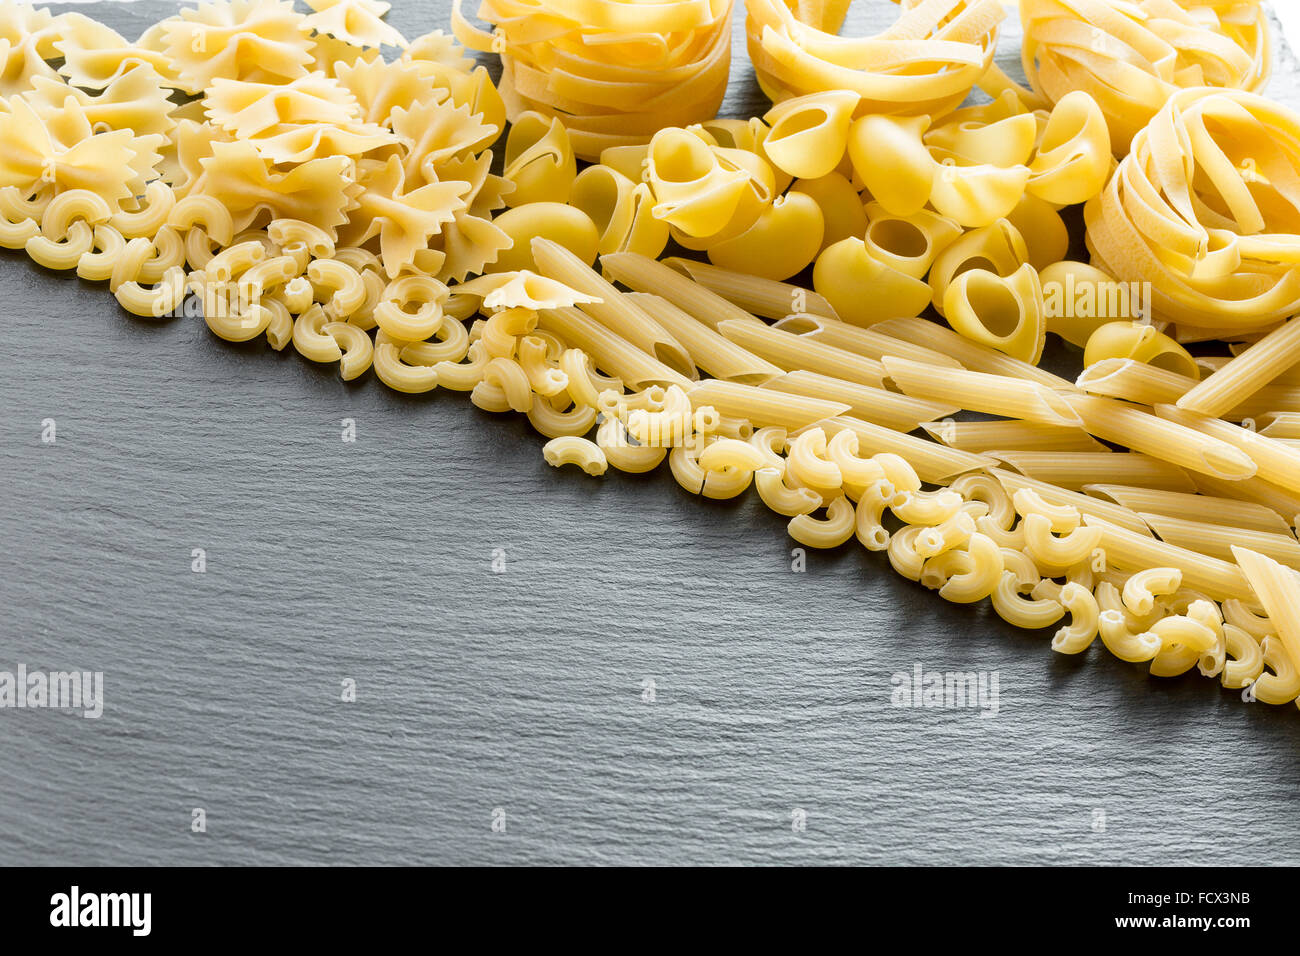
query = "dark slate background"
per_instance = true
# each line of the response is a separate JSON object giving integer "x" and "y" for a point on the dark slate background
{"x": 520, "y": 691}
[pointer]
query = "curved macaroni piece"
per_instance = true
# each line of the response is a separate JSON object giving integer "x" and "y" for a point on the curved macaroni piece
{"x": 829, "y": 532}
{"x": 571, "y": 450}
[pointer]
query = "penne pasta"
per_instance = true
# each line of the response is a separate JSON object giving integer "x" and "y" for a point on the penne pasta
{"x": 1075, "y": 470}
{"x": 982, "y": 392}
{"x": 710, "y": 351}
{"x": 1246, "y": 374}
{"x": 766, "y": 297}
{"x": 795, "y": 353}
{"x": 1194, "y": 507}
{"x": 1217, "y": 540}
{"x": 899, "y": 412}
{"x": 1015, "y": 435}
{"x": 762, "y": 407}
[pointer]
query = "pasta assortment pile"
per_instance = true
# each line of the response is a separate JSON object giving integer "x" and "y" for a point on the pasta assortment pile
{"x": 317, "y": 179}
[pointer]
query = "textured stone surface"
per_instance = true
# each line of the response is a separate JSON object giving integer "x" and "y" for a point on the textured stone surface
{"x": 520, "y": 690}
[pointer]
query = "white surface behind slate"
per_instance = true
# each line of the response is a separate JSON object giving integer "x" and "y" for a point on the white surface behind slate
{"x": 520, "y": 691}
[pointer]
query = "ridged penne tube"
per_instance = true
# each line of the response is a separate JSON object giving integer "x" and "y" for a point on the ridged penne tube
{"x": 614, "y": 310}
{"x": 1115, "y": 514}
{"x": 557, "y": 423}
{"x": 903, "y": 556}
{"x": 747, "y": 295}
{"x": 666, "y": 280}
{"x": 1246, "y": 374}
{"x": 1217, "y": 540}
{"x": 877, "y": 496}
{"x": 1062, "y": 518}
{"x": 863, "y": 290}
{"x": 1134, "y": 382}
{"x": 1273, "y": 461}
{"x": 933, "y": 463}
{"x": 1128, "y": 551}
{"x": 622, "y": 453}
{"x": 1285, "y": 502}
{"x": 981, "y": 392}
{"x": 1077, "y": 636}
{"x": 607, "y": 350}
{"x": 162, "y": 300}
{"x": 796, "y": 353}
{"x": 572, "y": 450}
{"x": 953, "y": 533}
{"x": 899, "y": 412}
{"x": 971, "y": 355}
{"x": 807, "y": 464}
{"x": 1074, "y": 471}
{"x": 762, "y": 407}
{"x": 1020, "y": 611}
{"x": 780, "y": 497}
{"x": 709, "y": 350}
{"x": 1123, "y": 643}
{"x": 1245, "y": 658}
{"x": 1278, "y": 590}
{"x": 620, "y": 210}
{"x": 1280, "y": 684}
{"x": 1020, "y": 436}
{"x": 866, "y": 342}
{"x": 927, "y": 507}
{"x": 1002, "y": 313}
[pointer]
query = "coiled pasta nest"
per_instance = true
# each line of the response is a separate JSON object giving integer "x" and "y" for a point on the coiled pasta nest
{"x": 1132, "y": 55}
{"x": 1206, "y": 207}
{"x": 925, "y": 64}
{"x": 614, "y": 72}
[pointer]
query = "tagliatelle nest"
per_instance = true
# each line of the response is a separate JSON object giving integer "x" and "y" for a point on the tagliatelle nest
{"x": 925, "y": 64}
{"x": 1132, "y": 55}
{"x": 1205, "y": 207}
